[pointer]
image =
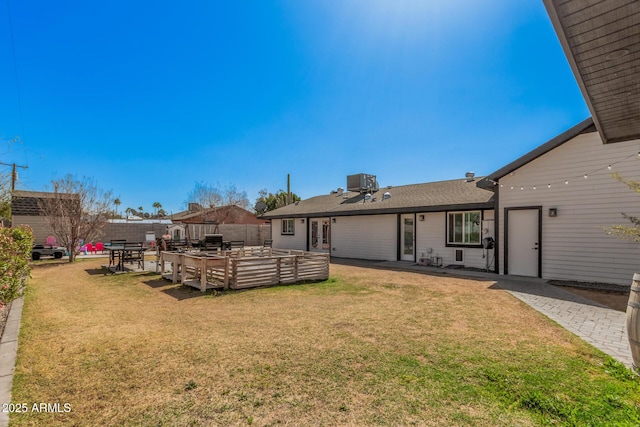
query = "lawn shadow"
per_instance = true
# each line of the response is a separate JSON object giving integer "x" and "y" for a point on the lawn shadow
{"x": 48, "y": 263}
{"x": 158, "y": 283}
{"x": 182, "y": 292}
{"x": 95, "y": 271}
{"x": 175, "y": 290}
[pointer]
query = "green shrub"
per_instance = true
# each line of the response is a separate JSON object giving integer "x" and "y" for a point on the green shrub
{"x": 15, "y": 253}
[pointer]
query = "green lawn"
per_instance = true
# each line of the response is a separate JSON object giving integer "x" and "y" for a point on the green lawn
{"x": 366, "y": 347}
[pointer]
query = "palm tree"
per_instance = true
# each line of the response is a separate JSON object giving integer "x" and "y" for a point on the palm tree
{"x": 128, "y": 211}
{"x": 117, "y": 202}
{"x": 157, "y": 206}
{"x": 140, "y": 209}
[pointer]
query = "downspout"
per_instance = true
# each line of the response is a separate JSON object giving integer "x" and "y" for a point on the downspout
{"x": 496, "y": 231}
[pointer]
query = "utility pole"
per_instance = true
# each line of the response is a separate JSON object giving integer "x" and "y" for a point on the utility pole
{"x": 14, "y": 173}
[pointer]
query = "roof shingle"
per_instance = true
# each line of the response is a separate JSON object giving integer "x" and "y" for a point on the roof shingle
{"x": 427, "y": 197}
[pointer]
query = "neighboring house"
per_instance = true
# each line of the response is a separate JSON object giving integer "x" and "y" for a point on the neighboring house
{"x": 218, "y": 215}
{"x": 445, "y": 220}
{"x": 233, "y": 222}
{"x": 26, "y": 210}
{"x": 554, "y": 203}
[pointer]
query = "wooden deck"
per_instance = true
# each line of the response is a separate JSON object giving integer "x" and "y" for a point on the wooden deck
{"x": 243, "y": 268}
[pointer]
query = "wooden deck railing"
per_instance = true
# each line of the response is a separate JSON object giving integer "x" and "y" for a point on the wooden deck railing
{"x": 245, "y": 268}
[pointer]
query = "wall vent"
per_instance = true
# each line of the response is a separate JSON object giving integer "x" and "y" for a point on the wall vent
{"x": 459, "y": 256}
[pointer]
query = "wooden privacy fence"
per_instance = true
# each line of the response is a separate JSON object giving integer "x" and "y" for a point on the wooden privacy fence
{"x": 245, "y": 268}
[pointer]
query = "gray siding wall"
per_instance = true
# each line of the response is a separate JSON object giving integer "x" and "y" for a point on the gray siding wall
{"x": 574, "y": 244}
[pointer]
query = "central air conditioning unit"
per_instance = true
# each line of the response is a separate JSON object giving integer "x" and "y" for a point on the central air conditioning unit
{"x": 362, "y": 183}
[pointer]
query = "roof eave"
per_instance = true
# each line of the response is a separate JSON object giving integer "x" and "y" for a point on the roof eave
{"x": 413, "y": 209}
{"x": 568, "y": 53}
{"x": 488, "y": 182}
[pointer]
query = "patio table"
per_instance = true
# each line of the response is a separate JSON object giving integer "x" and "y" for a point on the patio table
{"x": 119, "y": 253}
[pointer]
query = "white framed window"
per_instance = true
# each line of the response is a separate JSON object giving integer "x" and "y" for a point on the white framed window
{"x": 287, "y": 226}
{"x": 463, "y": 228}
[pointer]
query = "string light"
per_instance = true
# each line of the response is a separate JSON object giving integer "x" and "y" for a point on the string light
{"x": 608, "y": 167}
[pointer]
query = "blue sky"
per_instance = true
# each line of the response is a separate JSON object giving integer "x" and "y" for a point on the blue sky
{"x": 148, "y": 98}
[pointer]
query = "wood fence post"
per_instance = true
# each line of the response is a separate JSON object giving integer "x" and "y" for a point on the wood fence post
{"x": 203, "y": 275}
{"x": 279, "y": 269}
{"x": 226, "y": 273}
{"x": 174, "y": 266}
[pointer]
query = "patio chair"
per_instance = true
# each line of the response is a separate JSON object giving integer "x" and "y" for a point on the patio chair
{"x": 268, "y": 243}
{"x": 99, "y": 247}
{"x": 236, "y": 244}
{"x": 133, "y": 252}
{"x": 89, "y": 248}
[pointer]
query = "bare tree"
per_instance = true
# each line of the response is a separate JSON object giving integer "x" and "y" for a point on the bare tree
{"x": 209, "y": 196}
{"x": 76, "y": 210}
{"x": 632, "y": 231}
{"x": 232, "y": 196}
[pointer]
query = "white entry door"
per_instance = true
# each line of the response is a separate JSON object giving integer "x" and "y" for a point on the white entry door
{"x": 523, "y": 247}
{"x": 408, "y": 238}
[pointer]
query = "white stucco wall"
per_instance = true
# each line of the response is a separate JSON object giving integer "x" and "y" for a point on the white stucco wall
{"x": 431, "y": 234}
{"x": 297, "y": 241}
{"x": 574, "y": 244}
{"x": 372, "y": 237}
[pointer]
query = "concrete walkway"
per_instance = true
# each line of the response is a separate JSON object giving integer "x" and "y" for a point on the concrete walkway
{"x": 8, "y": 351}
{"x": 600, "y": 326}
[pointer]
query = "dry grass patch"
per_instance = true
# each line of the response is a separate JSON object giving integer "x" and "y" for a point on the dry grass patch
{"x": 366, "y": 347}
